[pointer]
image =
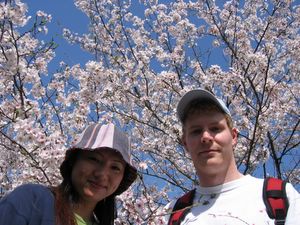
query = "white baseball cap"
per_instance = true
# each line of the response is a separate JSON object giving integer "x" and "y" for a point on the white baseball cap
{"x": 199, "y": 94}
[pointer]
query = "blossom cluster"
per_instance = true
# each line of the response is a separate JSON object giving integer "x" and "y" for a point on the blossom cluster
{"x": 147, "y": 55}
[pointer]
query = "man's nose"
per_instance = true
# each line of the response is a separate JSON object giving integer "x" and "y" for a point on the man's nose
{"x": 206, "y": 137}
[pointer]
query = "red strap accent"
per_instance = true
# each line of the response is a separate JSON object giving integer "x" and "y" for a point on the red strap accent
{"x": 175, "y": 217}
{"x": 179, "y": 210}
{"x": 275, "y": 198}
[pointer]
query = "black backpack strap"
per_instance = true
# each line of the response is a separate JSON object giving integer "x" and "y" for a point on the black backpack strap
{"x": 181, "y": 208}
{"x": 275, "y": 199}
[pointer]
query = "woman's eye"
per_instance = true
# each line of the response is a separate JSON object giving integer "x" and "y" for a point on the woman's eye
{"x": 117, "y": 168}
{"x": 95, "y": 159}
{"x": 92, "y": 159}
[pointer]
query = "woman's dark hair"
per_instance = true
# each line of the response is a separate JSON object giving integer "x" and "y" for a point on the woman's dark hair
{"x": 63, "y": 212}
{"x": 105, "y": 210}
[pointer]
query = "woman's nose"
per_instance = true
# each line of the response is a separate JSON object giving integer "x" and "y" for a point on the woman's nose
{"x": 101, "y": 171}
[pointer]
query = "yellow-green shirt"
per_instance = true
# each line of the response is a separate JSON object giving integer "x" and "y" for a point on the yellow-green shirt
{"x": 81, "y": 221}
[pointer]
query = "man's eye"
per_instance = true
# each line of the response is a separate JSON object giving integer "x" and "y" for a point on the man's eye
{"x": 196, "y": 131}
{"x": 215, "y": 129}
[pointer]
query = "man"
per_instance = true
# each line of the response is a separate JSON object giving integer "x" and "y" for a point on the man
{"x": 224, "y": 195}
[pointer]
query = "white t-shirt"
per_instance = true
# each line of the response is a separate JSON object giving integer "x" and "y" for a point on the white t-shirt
{"x": 238, "y": 202}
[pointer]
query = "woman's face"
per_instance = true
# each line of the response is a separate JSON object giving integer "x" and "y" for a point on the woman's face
{"x": 97, "y": 174}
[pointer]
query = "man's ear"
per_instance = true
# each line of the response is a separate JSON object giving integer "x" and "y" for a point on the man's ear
{"x": 183, "y": 142}
{"x": 234, "y": 134}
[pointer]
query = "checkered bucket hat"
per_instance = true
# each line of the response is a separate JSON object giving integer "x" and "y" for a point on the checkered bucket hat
{"x": 97, "y": 136}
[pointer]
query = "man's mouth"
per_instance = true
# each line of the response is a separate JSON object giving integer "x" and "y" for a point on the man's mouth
{"x": 208, "y": 151}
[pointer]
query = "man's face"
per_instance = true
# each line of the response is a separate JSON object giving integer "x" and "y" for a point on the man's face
{"x": 209, "y": 141}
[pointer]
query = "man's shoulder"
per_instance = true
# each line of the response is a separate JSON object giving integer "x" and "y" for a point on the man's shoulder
{"x": 253, "y": 182}
{"x": 251, "y": 178}
{"x": 289, "y": 187}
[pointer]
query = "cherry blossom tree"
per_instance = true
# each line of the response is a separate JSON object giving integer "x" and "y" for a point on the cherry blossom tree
{"x": 147, "y": 54}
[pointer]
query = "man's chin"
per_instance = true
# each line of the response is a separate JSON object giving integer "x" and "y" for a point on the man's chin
{"x": 210, "y": 165}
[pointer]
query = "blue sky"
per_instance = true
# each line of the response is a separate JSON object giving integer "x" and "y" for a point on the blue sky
{"x": 64, "y": 15}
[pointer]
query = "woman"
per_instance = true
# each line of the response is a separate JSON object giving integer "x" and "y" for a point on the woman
{"x": 94, "y": 171}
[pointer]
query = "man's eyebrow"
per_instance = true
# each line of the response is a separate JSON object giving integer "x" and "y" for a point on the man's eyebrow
{"x": 210, "y": 123}
{"x": 195, "y": 126}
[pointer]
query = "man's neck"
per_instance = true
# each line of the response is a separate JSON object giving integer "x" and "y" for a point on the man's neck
{"x": 211, "y": 180}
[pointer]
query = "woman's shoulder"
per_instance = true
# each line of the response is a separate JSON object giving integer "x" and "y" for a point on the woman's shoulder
{"x": 27, "y": 191}
{"x": 26, "y": 202}
{"x": 32, "y": 187}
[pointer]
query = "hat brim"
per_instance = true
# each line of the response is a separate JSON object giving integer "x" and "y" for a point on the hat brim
{"x": 130, "y": 175}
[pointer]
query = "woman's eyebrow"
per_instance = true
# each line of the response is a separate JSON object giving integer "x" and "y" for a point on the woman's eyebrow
{"x": 116, "y": 157}
{"x": 121, "y": 161}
